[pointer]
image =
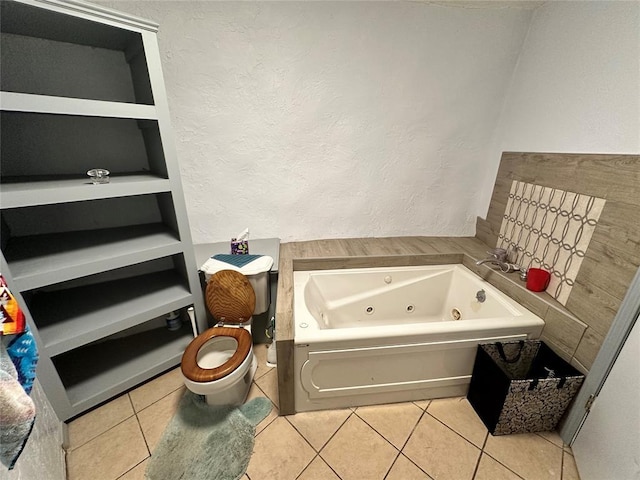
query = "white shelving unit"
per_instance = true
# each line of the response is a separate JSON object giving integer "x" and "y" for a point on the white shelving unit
{"x": 96, "y": 268}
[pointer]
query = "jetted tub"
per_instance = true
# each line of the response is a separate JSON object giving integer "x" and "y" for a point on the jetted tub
{"x": 394, "y": 334}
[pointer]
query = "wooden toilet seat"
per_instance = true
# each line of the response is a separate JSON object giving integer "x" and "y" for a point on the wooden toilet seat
{"x": 231, "y": 300}
{"x": 195, "y": 373}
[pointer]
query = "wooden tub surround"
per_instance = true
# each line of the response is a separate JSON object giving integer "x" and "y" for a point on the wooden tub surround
{"x": 387, "y": 252}
{"x": 575, "y": 332}
{"x": 613, "y": 255}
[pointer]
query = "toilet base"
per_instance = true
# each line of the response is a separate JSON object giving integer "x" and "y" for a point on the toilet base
{"x": 236, "y": 393}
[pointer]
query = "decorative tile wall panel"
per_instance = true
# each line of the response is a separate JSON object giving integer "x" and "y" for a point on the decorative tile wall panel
{"x": 549, "y": 228}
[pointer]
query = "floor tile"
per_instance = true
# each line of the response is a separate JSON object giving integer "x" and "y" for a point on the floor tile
{"x": 318, "y": 470}
{"x": 358, "y": 452}
{"x": 569, "y": 468}
{"x": 112, "y": 442}
{"x": 268, "y": 383}
{"x": 260, "y": 351}
{"x": 98, "y": 421}
{"x": 489, "y": 469}
{"x": 280, "y": 453}
{"x": 109, "y": 455}
{"x": 155, "y": 418}
{"x": 527, "y": 454}
{"x": 254, "y": 392}
{"x": 404, "y": 469}
{"x": 458, "y": 414}
{"x": 318, "y": 427}
{"x": 441, "y": 452}
{"x": 152, "y": 391}
{"x": 553, "y": 437}
{"x": 395, "y": 422}
{"x": 136, "y": 473}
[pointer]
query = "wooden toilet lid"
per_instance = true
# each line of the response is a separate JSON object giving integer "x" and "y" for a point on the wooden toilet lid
{"x": 195, "y": 373}
{"x": 230, "y": 297}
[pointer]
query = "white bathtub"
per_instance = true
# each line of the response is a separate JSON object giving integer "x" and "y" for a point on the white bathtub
{"x": 394, "y": 334}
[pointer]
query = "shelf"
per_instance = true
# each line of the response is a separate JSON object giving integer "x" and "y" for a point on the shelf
{"x": 67, "y": 319}
{"x": 26, "y": 102}
{"x": 45, "y": 192}
{"x": 96, "y": 267}
{"x": 38, "y": 146}
{"x": 39, "y": 260}
{"x": 74, "y": 22}
{"x": 97, "y": 372}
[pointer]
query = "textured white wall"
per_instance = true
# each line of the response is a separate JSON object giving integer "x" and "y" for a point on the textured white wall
{"x": 312, "y": 120}
{"x": 577, "y": 84}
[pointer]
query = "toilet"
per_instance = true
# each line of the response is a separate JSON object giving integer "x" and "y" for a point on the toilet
{"x": 219, "y": 363}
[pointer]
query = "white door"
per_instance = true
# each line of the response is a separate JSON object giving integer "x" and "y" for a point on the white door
{"x": 608, "y": 444}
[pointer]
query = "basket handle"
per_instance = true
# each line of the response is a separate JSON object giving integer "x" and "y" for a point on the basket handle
{"x": 504, "y": 356}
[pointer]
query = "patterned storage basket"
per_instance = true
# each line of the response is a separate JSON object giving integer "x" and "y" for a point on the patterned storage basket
{"x": 519, "y": 387}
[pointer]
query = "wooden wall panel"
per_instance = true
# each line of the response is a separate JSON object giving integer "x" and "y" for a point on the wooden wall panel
{"x": 485, "y": 232}
{"x": 614, "y": 253}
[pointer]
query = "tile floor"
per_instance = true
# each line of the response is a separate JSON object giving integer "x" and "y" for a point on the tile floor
{"x": 437, "y": 439}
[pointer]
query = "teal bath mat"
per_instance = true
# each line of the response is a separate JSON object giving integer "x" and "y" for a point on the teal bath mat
{"x": 207, "y": 442}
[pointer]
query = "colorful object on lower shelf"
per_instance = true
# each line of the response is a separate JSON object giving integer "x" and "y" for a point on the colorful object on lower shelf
{"x": 11, "y": 316}
{"x": 23, "y": 352}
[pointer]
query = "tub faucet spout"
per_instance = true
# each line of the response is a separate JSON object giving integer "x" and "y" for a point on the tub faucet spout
{"x": 504, "y": 266}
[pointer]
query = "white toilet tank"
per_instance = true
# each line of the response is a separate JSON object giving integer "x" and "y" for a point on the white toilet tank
{"x": 260, "y": 284}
